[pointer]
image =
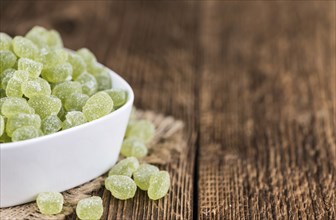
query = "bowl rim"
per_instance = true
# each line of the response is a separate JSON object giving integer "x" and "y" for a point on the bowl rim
{"x": 130, "y": 99}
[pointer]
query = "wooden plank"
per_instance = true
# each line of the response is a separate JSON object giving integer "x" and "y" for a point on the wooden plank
{"x": 152, "y": 45}
{"x": 267, "y": 134}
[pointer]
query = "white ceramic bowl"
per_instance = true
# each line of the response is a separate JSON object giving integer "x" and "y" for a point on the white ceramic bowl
{"x": 63, "y": 160}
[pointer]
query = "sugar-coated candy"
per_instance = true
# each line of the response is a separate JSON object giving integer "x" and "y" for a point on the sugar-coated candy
{"x": 7, "y": 60}
{"x": 125, "y": 167}
{"x": 24, "y": 47}
{"x": 62, "y": 113}
{"x": 72, "y": 119}
{"x": 38, "y": 35}
{"x": 103, "y": 79}
{"x": 2, "y": 125}
{"x": 142, "y": 129}
{"x": 11, "y": 106}
{"x": 45, "y": 105}
{"x": 24, "y": 133}
{"x": 133, "y": 147}
{"x": 50, "y": 203}
{"x": 33, "y": 68}
{"x": 118, "y": 96}
{"x": 75, "y": 102}
{"x": 87, "y": 55}
{"x": 90, "y": 208}
{"x": 88, "y": 82}
{"x": 97, "y": 106}
{"x": 13, "y": 88}
{"x": 5, "y": 77}
{"x": 51, "y": 124}
{"x": 52, "y": 57}
{"x": 56, "y": 74}
{"x": 143, "y": 174}
{"x": 65, "y": 89}
{"x": 121, "y": 187}
{"x": 20, "y": 120}
{"x": 35, "y": 87}
{"x": 5, "y": 41}
{"x": 78, "y": 64}
{"x": 159, "y": 185}
{"x": 54, "y": 39}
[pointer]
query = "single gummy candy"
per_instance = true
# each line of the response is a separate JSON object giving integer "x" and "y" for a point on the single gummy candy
{"x": 52, "y": 57}
{"x": 143, "y": 174}
{"x": 35, "y": 87}
{"x": 118, "y": 96}
{"x": 159, "y": 185}
{"x": 7, "y": 60}
{"x": 11, "y": 106}
{"x": 88, "y": 82}
{"x": 45, "y": 105}
{"x": 133, "y": 147}
{"x": 5, "y": 77}
{"x": 65, "y": 89}
{"x": 50, "y": 203}
{"x": 78, "y": 64}
{"x": 90, "y": 208}
{"x": 142, "y": 129}
{"x": 33, "y": 68}
{"x": 87, "y": 55}
{"x": 73, "y": 119}
{"x": 121, "y": 187}
{"x": 24, "y": 133}
{"x": 97, "y": 106}
{"x": 13, "y": 88}
{"x": 75, "y": 102}
{"x": 23, "y": 47}
{"x": 20, "y": 120}
{"x": 103, "y": 79}
{"x": 5, "y": 41}
{"x": 60, "y": 73}
{"x": 125, "y": 167}
{"x": 51, "y": 124}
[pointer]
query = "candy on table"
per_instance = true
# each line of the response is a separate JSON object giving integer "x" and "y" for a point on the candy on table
{"x": 75, "y": 102}
{"x": 159, "y": 185}
{"x": 5, "y": 41}
{"x": 50, "y": 203}
{"x": 65, "y": 89}
{"x": 133, "y": 147}
{"x": 73, "y": 119}
{"x": 2, "y": 125}
{"x": 33, "y": 68}
{"x": 125, "y": 167}
{"x": 56, "y": 74}
{"x": 143, "y": 174}
{"x": 45, "y": 105}
{"x": 11, "y": 106}
{"x": 24, "y": 133}
{"x": 118, "y": 96}
{"x": 7, "y": 60}
{"x": 141, "y": 129}
{"x": 121, "y": 187}
{"x": 97, "y": 106}
{"x": 5, "y": 77}
{"x": 35, "y": 87}
{"x": 51, "y": 124}
{"x": 24, "y": 47}
{"x": 78, "y": 64}
{"x": 90, "y": 208}
{"x": 20, "y": 120}
{"x": 88, "y": 82}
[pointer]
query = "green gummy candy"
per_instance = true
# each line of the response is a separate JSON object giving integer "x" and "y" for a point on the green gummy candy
{"x": 11, "y": 106}
{"x": 50, "y": 203}
{"x": 75, "y": 102}
{"x": 121, "y": 187}
{"x": 24, "y": 133}
{"x": 38, "y": 35}
{"x": 90, "y": 208}
{"x": 103, "y": 79}
{"x": 159, "y": 185}
{"x": 60, "y": 73}
{"x": 7, "y": 60}
{"x": 5, "y": 41}
{"x": 78, "y": 64}
{"x": 45, "y": 105}
{"x": 87, "y": 55}
{"x": 54, "y": 39}
{"x": 65, "y": 89}
{"x": 125, "y": 167}
{"x": 143, "y": 174}
{"x": 2, "y": 125}
{"x": 141, "y": 129}
{"x": 88, "y": 82}
{"x": 20, "y": 120}
{"x": 133, "y": 147}
{"x": 52, "y": 57}
{"x": 35, "y": 87}
{"x": 51, "y": 124}
{"x": 118, "y": 96}
{"x": 24, "y": 47}
{"x": 33, "y": 68}
{"x": 97, "y": 106}
{"x": 5, "y": 77}
{"x": 13, "y": 88}
{"x": 73, "y": 119}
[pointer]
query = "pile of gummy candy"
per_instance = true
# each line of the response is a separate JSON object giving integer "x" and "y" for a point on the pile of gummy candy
{"x": 46, "y": 88}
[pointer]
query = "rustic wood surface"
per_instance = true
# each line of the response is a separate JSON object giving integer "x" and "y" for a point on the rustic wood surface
{"x": 253, "y": 81}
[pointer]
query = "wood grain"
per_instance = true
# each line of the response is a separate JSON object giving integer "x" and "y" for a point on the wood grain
{"x": 254, "y": 82}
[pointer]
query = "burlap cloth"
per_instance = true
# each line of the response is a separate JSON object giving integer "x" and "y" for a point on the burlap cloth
{"x": 168, "y": 140}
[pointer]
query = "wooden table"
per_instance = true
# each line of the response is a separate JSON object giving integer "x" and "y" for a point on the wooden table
{"x": 254, "y": 83}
